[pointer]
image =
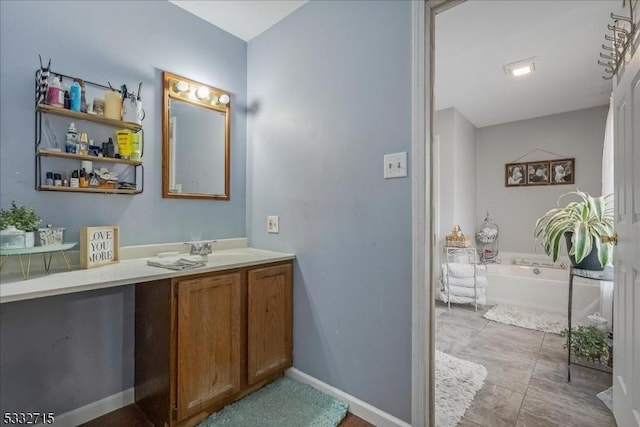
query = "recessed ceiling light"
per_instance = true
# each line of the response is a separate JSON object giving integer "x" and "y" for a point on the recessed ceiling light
{"x": 520, "y": 68}
{"x": 521, "y": 71}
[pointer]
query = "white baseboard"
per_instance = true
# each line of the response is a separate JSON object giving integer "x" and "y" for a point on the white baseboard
{"x": 116, "y": 401}
{"x": 95, "y": 409}
{"x": 356, "y": 406}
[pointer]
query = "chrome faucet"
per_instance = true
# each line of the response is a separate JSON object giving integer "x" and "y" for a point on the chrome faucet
{"x": 200, "y": 248}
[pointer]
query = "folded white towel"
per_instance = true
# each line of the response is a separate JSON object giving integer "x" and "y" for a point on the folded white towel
{"x": 180, "y": 262}
{"x": 462, "y": 300}
{"x": 461, "y": 291}
{"x": 467, "y": 282}
{"x": 457, "y": 269}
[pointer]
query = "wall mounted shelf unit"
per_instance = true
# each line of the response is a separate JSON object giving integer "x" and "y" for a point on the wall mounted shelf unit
{"x": 44, "y": 154}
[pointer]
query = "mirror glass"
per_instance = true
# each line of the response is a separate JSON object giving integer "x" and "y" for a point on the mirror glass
{"x": 195, "y": 140}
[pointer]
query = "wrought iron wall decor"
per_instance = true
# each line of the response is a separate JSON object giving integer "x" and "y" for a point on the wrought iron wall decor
{"x": 624, "y": 33}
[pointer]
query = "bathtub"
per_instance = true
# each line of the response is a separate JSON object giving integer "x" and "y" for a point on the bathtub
{"x": 538, "y": 287}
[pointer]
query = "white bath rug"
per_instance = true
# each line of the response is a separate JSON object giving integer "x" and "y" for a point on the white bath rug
{"x": 457, "y": 382}
{"x": 527, "y": 318}
{"x": 607, "y": 398}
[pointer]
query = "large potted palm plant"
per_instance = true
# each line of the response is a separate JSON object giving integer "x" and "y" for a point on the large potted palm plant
{"x": 583, "y": 224}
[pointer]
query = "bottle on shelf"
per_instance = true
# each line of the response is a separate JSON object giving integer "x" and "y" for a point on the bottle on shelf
{"x": 136, "y": 147}
{"x": 67, "y": 99}
{"x": 84, "y": 106}
{"x": 75, "y": 179}
{"x": 75, "y": 92}
{"x": 55, "y": 93}
{"x": 82, "y": 180}
{"x": 108, "y": 149}
{"x": 124, "y": 143}
{"x": 83, "y": 146}
{"x": 71, "y": 141}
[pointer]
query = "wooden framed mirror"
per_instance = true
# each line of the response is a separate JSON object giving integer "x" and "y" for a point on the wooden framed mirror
{"x": 195, "y": 140}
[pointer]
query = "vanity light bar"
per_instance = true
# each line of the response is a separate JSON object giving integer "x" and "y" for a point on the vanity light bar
{"x": 198, "y": 92}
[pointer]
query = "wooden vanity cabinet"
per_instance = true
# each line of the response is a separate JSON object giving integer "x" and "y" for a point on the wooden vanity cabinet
{"x": 205, "y": 340}
{"x": 270, "y": 319}
{"x": 208, "y": 342}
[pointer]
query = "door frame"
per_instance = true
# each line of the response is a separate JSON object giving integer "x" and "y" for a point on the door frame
{"x": 423, "y": 207}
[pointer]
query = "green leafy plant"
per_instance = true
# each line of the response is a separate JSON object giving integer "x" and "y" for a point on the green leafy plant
{"x": 587, "y": 342}
{"x": 589, "y": 220}
{"x": 21, "y": 217}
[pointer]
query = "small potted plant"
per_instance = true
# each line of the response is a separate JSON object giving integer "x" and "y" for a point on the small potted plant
{"x": 21, "y": 218}
{"x": 589, "y": 343}
{"x": 583, "y": 224}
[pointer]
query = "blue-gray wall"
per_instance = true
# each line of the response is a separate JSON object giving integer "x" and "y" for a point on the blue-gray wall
{"x": 329, "y": 96}
{"x": 330, "y": 87}
{"x": 121, "y": 42}
{"x": 61, "y": 353}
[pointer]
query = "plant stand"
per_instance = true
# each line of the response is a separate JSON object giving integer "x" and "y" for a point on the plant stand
{"x": 605, "y": 276}
{"x": 589, "y": 364}
{"x": 46, "y": 251}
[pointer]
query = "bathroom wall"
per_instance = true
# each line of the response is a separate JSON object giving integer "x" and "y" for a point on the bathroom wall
{"x": 64, "y": 352}
{"x": 330, "y": 89}
{"x": 141, "y": 40}
{"x": 578, "y": 134}
{"x": 457, "y": 172}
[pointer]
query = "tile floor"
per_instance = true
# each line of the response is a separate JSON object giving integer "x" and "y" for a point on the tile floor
{"x": 526, "y": 384}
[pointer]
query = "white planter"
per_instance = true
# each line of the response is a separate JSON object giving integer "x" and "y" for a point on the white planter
{"x": 11, "y": 237}
{"x": 29, "y": 239}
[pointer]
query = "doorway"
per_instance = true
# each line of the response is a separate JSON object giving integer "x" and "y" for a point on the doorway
{"x": 432, "y": 10}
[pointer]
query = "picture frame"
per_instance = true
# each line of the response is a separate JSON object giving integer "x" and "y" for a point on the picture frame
{"x": 99, "y": 246}
{"x": 538, "y": 173}
{"x": 515, "y": 174}
{"x": 562, "y": 171}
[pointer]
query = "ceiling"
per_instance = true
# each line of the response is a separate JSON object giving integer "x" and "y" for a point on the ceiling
{"x": 244, "y": 19}
{"x": 473, "y": 42}
{"x": 476, "y": 38}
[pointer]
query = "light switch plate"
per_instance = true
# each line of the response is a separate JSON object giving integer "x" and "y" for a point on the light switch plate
{"x": 395, "y": 165}
{"x": 272, "y": 224}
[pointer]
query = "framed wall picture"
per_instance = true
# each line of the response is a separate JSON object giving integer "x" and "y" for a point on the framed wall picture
{"x": 562, "y": 171}
{"x": 538, "y": 173}
{"x": 515, "y": 174}
{"x": 99, "y": 246}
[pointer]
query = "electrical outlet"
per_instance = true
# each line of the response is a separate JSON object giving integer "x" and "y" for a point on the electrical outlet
{"x": 272, "y": 224}
{"x": 395, "y": 165}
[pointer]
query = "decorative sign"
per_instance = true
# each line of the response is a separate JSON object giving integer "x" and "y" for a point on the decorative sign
{"x": 99, "y": 246}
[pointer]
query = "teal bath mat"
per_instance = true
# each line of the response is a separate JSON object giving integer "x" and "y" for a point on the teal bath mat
{"x": 283, "y": 403}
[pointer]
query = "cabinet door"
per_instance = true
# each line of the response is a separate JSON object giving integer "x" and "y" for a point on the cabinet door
{"x": 208, "y": 344}
{"x": 269, "y": 341}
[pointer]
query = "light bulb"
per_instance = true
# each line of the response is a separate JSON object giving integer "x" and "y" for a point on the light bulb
{"x": 182, "y": 86}
{"x": 202, "y": 92}
{"x": 224, "y": 99}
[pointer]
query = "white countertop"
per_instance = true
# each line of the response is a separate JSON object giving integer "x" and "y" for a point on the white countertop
{"x": 128, "y": 272}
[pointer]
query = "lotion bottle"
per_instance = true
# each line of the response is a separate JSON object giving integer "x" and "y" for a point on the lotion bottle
{"x": 75, "y": 91}
{"x": 55, "y": 93}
